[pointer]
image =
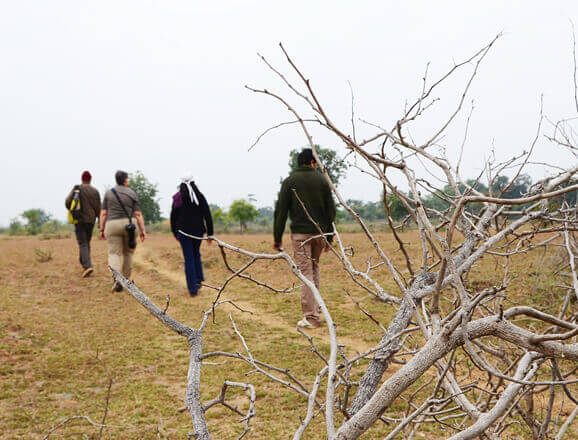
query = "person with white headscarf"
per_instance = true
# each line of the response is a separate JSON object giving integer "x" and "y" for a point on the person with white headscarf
{"x": 190, "y": 214}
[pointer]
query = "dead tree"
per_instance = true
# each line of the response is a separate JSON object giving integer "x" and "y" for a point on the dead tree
{"x": 521, "y": 351}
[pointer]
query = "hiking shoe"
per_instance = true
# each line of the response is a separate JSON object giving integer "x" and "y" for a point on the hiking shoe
{"x": 306, "y": 324}
{"x": 87, "y": 272}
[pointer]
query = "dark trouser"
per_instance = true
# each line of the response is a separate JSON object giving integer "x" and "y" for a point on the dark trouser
{"x": 83, "y": 235}
{"x": 193, "y": 265}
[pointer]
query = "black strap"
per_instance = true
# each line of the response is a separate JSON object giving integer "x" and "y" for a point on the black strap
{"x": 121, "y": 205}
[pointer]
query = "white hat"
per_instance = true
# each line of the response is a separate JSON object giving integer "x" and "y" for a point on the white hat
{"x": 187, "y": 181}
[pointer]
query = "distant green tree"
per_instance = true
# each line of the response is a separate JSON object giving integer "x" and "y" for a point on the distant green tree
{"x": 243, "y": 212}
{"x": 220, "y": 217}
{"x": 146, "y": 193}
{"x": 376, "y": 210}
{"x": 16, "y": 227}
{"x": 499, "y": 183}
{"x": 51, "y": 227}
{"x": 266, "y": 212}
{"x": 342, "y": 216}
{"x": 397, "y": 210}
{"x": 519, "y": 187}
{"x": 367, "y": 210}
{"x": 569, "y": 198}
{"x": 35, "y": 218}
{"x": 335, "y": 167}
{"x": 265, "y": 216}
{"x": 437, "y": 201}
{"x": 440, "y": 200}
{"x": 572, "y": 196}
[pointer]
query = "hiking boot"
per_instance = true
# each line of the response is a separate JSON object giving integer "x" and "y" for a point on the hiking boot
{"x": 87, "y": 272}
{"x": 306, "y": 324}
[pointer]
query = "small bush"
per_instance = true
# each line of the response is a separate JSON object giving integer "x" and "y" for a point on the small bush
{"x": 16, "y": 227}
{"x": 43, "y": 255}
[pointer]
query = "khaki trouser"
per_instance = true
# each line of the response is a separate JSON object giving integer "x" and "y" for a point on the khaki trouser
{"x": 119, "y": 254}
{"x": 307, "y": 259}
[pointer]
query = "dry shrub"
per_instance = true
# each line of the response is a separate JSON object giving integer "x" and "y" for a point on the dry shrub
{"x": 43, "y": 255}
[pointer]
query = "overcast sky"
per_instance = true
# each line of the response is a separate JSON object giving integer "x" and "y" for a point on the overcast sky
{"x": 158, "y": 86}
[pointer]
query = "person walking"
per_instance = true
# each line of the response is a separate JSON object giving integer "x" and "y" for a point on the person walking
{"x": 190, "y": 214}
{"x": 119, "y": 207}
{"x": 89, "y": 211}
{"x": 315, "y": 193}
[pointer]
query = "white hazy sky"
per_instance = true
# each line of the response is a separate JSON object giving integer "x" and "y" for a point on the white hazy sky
{"x": 157, "y": 86}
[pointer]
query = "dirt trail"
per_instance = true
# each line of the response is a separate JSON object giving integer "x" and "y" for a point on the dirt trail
{"x": 267, "y": 319}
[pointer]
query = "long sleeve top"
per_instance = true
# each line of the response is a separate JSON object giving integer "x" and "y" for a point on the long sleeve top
{"x": 189, "y": 217}
{"x": 315, "y": 194}
{"x": 89, "y": 202}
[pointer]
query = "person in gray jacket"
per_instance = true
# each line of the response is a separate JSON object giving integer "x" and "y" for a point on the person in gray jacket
{"x": 120, "y": 207}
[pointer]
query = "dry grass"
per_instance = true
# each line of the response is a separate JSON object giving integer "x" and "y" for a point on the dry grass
{"x": 43, "y": 255}
{"x": 62, "y": 337}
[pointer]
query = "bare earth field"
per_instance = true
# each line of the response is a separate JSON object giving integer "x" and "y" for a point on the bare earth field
{"x": 64, "y": 340}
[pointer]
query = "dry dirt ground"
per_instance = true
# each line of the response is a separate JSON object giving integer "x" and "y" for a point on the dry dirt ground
{"x": 65, "y": 341}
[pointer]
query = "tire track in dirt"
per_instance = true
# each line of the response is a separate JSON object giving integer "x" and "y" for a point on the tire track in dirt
{"x": 259, "y": 314}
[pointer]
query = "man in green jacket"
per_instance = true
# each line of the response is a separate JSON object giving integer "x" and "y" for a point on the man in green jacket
{"x": 315, "y": 193}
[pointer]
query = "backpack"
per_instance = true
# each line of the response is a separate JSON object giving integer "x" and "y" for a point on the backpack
{"x": 74, "y": 210}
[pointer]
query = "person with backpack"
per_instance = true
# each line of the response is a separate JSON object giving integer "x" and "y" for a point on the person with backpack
{"x": 190, "y": 214}
{"x": 83, "y": 204}
{"x": 121, "y": 221}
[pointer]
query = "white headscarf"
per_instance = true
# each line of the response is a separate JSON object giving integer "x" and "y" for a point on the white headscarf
{"x": 187, "y": 181}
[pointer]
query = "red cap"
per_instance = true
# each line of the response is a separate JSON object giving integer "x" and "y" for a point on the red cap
{"x": 86, "y": 177}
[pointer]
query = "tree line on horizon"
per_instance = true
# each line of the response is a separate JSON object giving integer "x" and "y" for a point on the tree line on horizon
{"x": 243, "y": 213}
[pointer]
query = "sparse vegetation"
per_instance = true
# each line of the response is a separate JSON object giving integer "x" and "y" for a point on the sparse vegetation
{"x": 35, "y": 219}
{"x": 147, "y": 193}
{"x": 43, "y": 255}
{"x": 56, "y": 330}
{"x": 243, "y": 212}
{"x": 38, "y": 222}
